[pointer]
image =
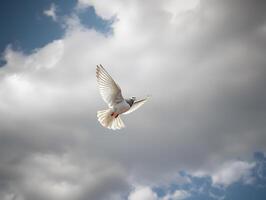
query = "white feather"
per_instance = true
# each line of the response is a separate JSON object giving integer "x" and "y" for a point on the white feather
{"x": 109, "y": 90}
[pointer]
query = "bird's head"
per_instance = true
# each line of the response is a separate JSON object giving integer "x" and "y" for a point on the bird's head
{"x": 133, "y": 98}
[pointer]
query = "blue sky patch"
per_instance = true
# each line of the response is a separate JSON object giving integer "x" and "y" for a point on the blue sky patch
{"x": 201, "y": 188}
{"x": 25, "y": 27}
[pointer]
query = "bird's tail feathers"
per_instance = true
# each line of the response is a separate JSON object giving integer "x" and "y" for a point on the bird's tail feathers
{"x": 109, "y": 121}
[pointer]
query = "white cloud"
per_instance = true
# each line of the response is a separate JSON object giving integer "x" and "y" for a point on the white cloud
{"x": 146, "y": 193}
{"x": 177, "y": 195}
{"x": 51, "y": 12}
{"x": 143, "y": 193}
{"x": 228, "y": 173}
{"x": 232, "y": 172}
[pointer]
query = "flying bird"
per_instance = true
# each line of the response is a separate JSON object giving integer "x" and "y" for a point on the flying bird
{"x": 112, "y": 95}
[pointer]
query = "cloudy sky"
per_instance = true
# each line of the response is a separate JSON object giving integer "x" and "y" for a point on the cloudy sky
{"x": 202, "y": 136}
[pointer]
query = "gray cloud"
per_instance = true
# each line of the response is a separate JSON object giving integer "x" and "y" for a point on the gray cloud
{"x": 204, "y": 67}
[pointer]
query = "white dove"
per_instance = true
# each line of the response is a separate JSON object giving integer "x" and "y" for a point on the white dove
{"x": 112, "y": 95}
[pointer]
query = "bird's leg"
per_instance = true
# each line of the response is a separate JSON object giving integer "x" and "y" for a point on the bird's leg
{"x": 114, "y": 114}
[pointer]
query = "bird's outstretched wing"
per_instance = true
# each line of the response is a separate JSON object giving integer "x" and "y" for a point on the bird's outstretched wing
{"x": 137, "y": 104}
{"x": 109, "y": 90}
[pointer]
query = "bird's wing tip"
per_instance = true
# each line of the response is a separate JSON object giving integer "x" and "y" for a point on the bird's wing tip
{"x": 99, "y": 65}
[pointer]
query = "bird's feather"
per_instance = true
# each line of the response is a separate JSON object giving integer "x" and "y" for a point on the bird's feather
{"x": 109, "y": 89}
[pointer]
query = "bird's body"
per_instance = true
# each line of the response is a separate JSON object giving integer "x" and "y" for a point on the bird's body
{"x": 112, "y": 95}
{"x": 121, "y": 107}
